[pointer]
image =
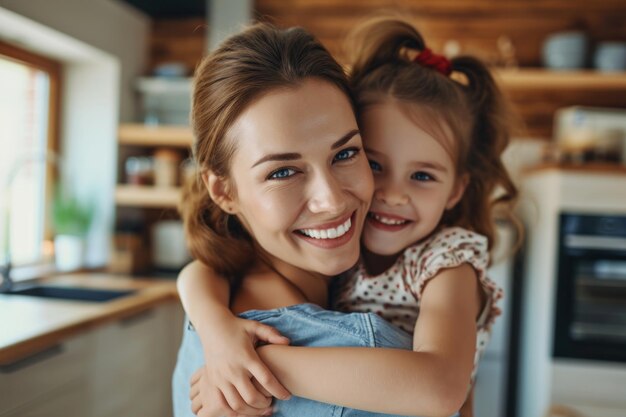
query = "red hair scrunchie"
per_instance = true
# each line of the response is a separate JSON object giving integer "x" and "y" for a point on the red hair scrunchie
{"x": 427, "y": 58}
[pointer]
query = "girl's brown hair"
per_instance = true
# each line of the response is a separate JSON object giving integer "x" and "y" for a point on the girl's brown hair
{"x": 245, "y": 66}
{"x": 474, "y": 109}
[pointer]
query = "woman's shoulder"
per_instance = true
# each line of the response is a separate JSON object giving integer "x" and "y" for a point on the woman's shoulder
{"x": 265, "y": 290}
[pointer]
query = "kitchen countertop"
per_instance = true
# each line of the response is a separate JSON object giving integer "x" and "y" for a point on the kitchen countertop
{"x": 30, "y": 324}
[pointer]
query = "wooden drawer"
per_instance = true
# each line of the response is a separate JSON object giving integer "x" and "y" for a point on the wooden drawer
{"x": 33, "y": 377}
{"x": 67, "y": 401}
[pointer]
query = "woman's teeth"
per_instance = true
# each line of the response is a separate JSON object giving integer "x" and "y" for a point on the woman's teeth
{"x": 387, "y": 220}
{"x": 331, "y": 233}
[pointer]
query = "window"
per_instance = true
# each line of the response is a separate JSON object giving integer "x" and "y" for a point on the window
{"x": 28, "y": 131}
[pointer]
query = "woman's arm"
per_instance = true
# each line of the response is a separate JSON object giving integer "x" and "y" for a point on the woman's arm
{"x": 432, "y": 380}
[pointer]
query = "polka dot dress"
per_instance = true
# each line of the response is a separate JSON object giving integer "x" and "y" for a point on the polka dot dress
{"x": 395, "y": 294}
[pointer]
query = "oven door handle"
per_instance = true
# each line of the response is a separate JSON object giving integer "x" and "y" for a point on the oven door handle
{"x": 595, "y": 242}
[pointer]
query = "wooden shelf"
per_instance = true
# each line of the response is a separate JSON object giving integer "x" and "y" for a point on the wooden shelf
{"x": 144, "y": 135}
{"x": 587, "y": 168}
{"x": 147, "y": 196}
{"x": 545, "y": 79}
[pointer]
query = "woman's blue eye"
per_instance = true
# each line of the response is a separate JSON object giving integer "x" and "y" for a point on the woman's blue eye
{"x": 282, "y": 173}
{"x": 346, "y": 154}
{"x": 375, "y": 166}
{"x": 422, "y": 176}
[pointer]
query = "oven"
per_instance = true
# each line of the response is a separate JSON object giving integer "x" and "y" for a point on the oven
{"x": 590, "y": 315}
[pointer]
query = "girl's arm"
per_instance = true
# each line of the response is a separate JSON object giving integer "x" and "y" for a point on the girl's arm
{"x": 228, "y": 342}
{"x": 432, "y": 380}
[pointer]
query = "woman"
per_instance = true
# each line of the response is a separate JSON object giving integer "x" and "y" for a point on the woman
{"x": 263, "y": 98}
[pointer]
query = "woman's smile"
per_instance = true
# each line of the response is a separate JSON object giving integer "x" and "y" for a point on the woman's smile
{"x": 330, "y": 235}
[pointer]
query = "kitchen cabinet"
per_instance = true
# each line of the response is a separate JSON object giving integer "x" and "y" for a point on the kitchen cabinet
{"x": 62, "y": 401}
{"x": 121, "y": 368}
{"x": 30, "y": 382}
{"x": 132, "y": 361}
{"x": 492, "y": 378}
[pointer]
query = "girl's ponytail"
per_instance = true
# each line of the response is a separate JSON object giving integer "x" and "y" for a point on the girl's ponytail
{"x": 379, "y": 41}
{"x": 490, "y": 192}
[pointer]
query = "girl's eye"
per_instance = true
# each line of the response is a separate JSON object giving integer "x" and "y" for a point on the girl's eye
{"x": 281, "y": 174}
{"x": 346, "y": 154}
{"x": 375, "y": 166}
{"x": 422, "y": 176}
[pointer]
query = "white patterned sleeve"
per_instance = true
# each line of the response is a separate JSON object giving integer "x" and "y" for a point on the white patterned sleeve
{"x": 450, "y": 248}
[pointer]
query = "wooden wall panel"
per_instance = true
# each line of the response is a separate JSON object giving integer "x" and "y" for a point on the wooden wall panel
{"x": 177, "y": 40}
{"x": 475, "y": 25}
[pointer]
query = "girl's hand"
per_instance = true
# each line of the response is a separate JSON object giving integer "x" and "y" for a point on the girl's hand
{"x": 206, "y": 401}
{"x": 227, "y": 384}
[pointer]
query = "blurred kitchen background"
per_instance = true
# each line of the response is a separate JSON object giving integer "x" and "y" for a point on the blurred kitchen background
{"x": 94, "y": 147}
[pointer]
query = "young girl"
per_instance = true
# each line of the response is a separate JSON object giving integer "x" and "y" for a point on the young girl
{"x": 433, "y": 132}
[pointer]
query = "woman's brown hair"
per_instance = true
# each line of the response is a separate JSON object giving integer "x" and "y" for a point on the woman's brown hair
{"x": 245, "y": 66}
{"x": 382, "y": 52}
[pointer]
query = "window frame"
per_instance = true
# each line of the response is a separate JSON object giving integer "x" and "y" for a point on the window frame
{"x": 53, "y": 69}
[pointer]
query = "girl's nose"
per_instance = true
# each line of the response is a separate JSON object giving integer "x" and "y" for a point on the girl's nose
{"x": 327, "y": 196}
{"x": 391, "y": 196}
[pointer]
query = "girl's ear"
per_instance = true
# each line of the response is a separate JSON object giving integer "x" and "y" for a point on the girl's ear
{"x": 457, "y": 191}
{"x": 219, "y": 191}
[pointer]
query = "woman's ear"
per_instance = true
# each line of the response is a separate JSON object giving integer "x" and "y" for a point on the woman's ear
{"x": 219, "y": 191}
{"x": 457, "y": 191}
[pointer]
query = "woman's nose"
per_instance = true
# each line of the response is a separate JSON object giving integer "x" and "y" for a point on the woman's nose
{"x": 391, "y": 195}
{"x": 327, "y": 196}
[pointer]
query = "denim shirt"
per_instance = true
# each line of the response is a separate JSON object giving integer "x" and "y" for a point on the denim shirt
{"x": 304, "y": 325}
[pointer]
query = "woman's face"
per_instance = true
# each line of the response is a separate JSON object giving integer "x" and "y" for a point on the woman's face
{"x": 301, "y": 181}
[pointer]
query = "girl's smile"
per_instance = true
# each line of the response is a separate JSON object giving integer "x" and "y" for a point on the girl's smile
{"x": 386, "y": 221}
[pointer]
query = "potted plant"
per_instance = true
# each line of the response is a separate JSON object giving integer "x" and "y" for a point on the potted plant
{"x": 72, "y": 220}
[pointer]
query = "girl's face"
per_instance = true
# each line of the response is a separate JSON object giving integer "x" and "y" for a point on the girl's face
{"x": 302, "y": 183}
{"x": 414, "y": 179}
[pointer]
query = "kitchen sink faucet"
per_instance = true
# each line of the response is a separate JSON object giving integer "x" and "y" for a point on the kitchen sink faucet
{"x": 46, "y": 157}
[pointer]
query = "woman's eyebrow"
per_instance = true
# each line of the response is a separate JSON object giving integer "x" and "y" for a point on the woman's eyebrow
{"x": 291, "y": 156}
{"x": 345, "y": 138}
{"x": 278, "y": 157}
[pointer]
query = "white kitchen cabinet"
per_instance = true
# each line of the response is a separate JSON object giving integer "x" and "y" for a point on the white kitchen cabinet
{"x": 122, "y": 368}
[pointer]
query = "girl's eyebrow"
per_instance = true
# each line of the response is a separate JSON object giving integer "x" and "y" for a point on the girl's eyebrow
{"x": 291, "y": 156}
{"x": 432, "y": 165}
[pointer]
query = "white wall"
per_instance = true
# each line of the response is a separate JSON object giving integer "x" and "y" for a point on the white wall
{"x": 108, "y": 25}
{"x": 102, "y": 45}
{"x": 226, "y": 17}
